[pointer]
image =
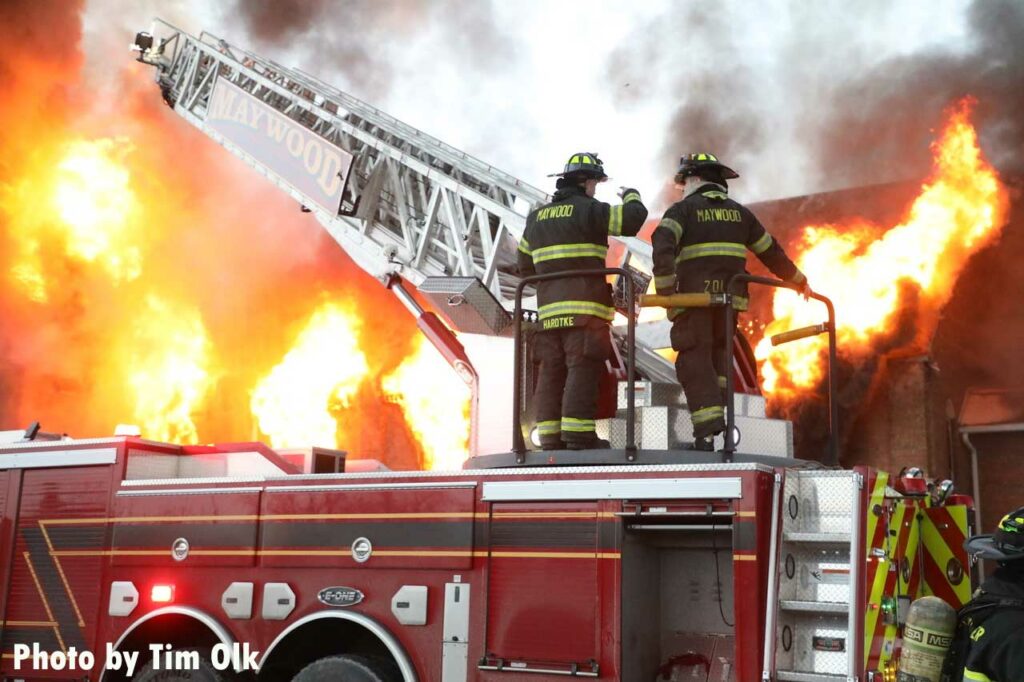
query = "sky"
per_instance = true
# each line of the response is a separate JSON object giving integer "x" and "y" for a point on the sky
{"x": 522, "y": 85}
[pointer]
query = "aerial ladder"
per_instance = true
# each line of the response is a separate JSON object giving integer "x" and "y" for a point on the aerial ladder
{"x": 410, "y": 209}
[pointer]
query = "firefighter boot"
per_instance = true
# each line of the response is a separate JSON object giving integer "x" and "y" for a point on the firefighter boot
{"x": 706, "y": 444}
{"x": 592, "y": 443}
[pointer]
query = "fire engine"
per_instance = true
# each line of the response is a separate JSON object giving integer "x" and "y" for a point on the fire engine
{"x": 123, "y": 558}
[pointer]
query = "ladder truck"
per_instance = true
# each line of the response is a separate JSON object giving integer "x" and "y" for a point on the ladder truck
{"x": 411, "y": 210}
{"x": 123, "y": 558}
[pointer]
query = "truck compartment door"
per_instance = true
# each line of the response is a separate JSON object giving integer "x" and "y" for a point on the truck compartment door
{"x": 186, "y": 527}
{"x": 368, "y": 526}
{"x": 548, "y": 566}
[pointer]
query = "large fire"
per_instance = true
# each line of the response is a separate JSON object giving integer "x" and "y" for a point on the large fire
{"x": 80, "y": 201}
{"x": 436, "y": 404}
{"x": 305, "y": 399}
{"x": 170, "y": 373}
{"x": 872, "y": 273}
{"x": 299, "y": 402}
{"x": 150, "y": 278}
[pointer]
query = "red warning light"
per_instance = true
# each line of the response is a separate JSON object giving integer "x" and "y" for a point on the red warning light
{"x": 162, "y": 594}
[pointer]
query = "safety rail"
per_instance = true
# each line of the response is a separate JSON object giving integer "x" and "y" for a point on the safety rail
{"x": 784, "y": 337}
{"x": 518, "y": 442}
{"x": 703, "y": 300}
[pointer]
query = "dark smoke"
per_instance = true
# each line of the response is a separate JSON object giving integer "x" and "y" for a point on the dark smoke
{"x": 359, "y": 38}
{"x": 852, "y": 118}
{"x": 716, "y": 111}
{"x": 879, "y": 123}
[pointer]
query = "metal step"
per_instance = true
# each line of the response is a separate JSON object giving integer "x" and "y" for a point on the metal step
{"x": 652, "y": 394}
{"x": 668, "y": 428}
{"x": 820, "y": 502}
{"x": 835, "y": 538}
{"x": 814, "y": 606}
{"x": 798, "y": 676}
{"x": 670, "y": 394}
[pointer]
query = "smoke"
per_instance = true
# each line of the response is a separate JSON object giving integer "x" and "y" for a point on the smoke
{"x": 361, "y": 41}
{"x": 807, "y": 97}
{"x": 687, "y": 59}
{"x": 878, "y": 123}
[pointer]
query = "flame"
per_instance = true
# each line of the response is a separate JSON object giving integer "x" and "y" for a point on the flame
{"x": 151, "y": 276}
{"x": 436, "y": 405}
{"x": 170, "y": 374}
{"x": 96, "y": 205}
{"x": 297, "y": 402}
{"x": 873, "y": 274}
{"x": 82, "y": 200}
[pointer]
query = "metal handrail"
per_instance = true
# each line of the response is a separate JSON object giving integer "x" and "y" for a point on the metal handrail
{"x": 830, "y": 327}
{"x": 518, "y": 443}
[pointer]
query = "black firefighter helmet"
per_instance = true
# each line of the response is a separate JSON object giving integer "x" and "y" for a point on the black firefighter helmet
{"x": 584, "y": 165}
{"x": 706, "y": 166}
{"x": 1006, "y": 544}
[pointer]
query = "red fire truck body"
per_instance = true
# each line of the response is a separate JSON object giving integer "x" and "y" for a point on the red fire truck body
{"x": 613, "y": 571}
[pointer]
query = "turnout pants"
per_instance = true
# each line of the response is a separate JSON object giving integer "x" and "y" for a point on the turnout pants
{"x": 571, "y": 362}
{"x": 698, "y": 334}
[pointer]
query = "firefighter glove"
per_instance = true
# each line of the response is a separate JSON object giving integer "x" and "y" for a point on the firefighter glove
{"x": 626, "y": 191}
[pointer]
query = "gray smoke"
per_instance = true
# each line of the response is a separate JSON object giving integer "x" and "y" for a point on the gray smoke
{"x": 359, "y": 39}
{"x": 813, "y": 101}
{"x": 883, "y": 118}
{"x": 687, "y": 60}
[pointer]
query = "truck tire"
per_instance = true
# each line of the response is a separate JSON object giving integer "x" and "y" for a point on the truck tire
{"x": 204, "y": 673}
{"x": 344, "y": 669}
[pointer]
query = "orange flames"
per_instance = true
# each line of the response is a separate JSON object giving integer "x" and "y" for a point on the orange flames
{"x": 873, "y": 274}
{"x": 170, "y": 373}
{"x": 436, "y": 404}
{"x": 305, "y": 399}
{"x": 299, "y": 402}
{"x": 83, "y": 202}
{"x": 151, "y": 278}
{"x": 74, "y": 214}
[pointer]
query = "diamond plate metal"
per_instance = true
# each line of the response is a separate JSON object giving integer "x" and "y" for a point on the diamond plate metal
{"x": 802, "y": 628}
{"x": 658, "y": 394}
{"x": 819, "y": 501}
{"x": 466, "y": 304}
{"x": 750, "y": 405}
{"x": 652, "y": 393}
{"x": 667, "y": 428}
{"x": 815, "y": 573}
{"x": 794, "y": 676}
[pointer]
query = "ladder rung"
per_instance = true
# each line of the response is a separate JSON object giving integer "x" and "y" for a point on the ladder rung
{"x": 798, "y": 676}
{"x": 796, "y": 536}
{"x": 814, "y": 606}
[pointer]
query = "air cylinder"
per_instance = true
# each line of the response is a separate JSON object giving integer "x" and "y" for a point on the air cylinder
{"x": 926, "y": 638}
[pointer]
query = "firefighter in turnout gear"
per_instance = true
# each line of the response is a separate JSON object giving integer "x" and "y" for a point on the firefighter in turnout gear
{"x": 571, "y": 233}
{"x": 989, "y": 642}
{"x": 699, "y": 244}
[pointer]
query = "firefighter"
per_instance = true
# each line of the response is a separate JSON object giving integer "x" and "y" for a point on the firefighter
{"x": 699, "y": 244}
{"x": 571, "y": 233}
{"x": 989, "y": 640}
